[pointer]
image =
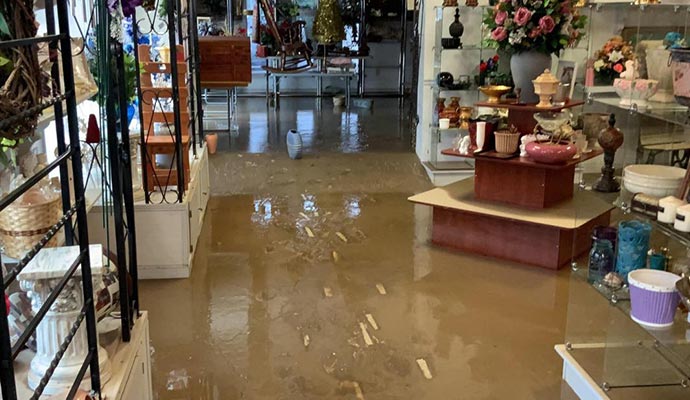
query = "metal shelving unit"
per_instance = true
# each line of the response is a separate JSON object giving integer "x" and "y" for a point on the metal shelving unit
{"x": 73, "y": 220}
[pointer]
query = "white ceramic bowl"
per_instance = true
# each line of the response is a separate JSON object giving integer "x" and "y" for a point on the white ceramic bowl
{"x": 636, "y": 91}
{"x": 654, "y": 180}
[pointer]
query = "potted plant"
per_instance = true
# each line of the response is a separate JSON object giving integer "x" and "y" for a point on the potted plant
{"x": 556, "y": 150}
{"x": 532, "y": 31}
{"x": 266, "y": 42}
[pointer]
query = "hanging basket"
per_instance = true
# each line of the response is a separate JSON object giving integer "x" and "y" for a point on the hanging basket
{"x": 22, "y": 226}
{"x": 22, "y": 88}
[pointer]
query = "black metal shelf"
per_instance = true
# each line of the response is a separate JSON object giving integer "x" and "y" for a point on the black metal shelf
{"x": 74, "y": 214}
{"x": 31, "y": 41}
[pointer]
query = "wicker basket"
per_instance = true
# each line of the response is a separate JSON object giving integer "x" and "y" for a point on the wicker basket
{"x": 507, "y": 142}
{"x": 22, "y": 226}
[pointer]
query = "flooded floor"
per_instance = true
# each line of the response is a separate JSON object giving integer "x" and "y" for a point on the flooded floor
{"x": 312, "y": 275}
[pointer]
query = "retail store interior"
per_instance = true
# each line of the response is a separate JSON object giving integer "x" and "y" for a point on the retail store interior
{"x": 345, "y": 199}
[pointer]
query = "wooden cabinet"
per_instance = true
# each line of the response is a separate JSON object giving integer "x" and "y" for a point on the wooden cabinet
{"x": 225, "y": 61}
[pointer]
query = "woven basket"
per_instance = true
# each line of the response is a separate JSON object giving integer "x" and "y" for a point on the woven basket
{"x": 507, "y": 142}
{"x": 22, "y": 226}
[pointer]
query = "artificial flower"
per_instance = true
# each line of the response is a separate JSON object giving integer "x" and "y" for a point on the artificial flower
{"x": 546, "y": 24}
{"x": 618, "y": 68}
{"x": 522, "y": 16}
{"x": 516, "y": 36}
{"x": 615, "y": 56}
{"x": 500, "y": 18}
{"x": 499, "y": 34}
{"x": 534, "y": 33}
{"x": 598, "y": 65}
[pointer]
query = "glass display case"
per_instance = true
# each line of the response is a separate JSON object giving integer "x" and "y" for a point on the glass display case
{"x": 462, "y": 62}
{"x": 610, "y": 351}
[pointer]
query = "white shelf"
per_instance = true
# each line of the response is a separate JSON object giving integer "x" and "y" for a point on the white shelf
{"x": 49, "y": 113}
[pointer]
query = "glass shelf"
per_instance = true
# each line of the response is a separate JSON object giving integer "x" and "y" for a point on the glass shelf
{"x": 671, "y": 344}
{"x": 465, "y": 48}
{"x": 666, "y": 112}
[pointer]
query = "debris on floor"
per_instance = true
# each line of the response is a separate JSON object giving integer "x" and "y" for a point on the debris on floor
{"x": 372, "y": 321}
{"x": 306, "y": 340}
{"x": 424, "y": 368}
{"x": 178, "y": 379}
{"x": 354, "y": 386}
{"x": 336, "y": 256}
{"x": 365, "y": 334}
{"x": 328, "y": 292}
{"x": 341, "y": 236}
{"x": 309, "y": 232}
{"x": 381, "y": 288}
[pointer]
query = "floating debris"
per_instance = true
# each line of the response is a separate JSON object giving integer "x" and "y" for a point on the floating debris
{"x": 372, "y": 321}
{"x": 306, "y": 340}
{"x": 316, "y": 213}
{"x": 328, "y": 292}
{"x": 424, "y": 367}
{"x": 352, "y": 385}
{"x": 365, "y": 334}
{"x": 309, "y": 231}
{"x": 381, "y": 288}
{"x": 336, "y": 256}
{"x": 341, "y": 236}
{"x": 305, "y": 216}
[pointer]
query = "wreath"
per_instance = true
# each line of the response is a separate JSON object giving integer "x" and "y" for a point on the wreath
{"x": 19, "y": 70}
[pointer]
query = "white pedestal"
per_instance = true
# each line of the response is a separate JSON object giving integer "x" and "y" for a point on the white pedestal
{"x": 39, "y": 278}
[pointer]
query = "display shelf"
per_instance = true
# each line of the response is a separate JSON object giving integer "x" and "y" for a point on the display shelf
{"x": 49, "y": 114}
{"x": 672, "y": 113}
{"x": 666, "y": 229}
{"x": 672, "y": 342}
{"x": 527, "y": 161}
{"x": 532, "y": 108}
{"x": 465, "y": 48}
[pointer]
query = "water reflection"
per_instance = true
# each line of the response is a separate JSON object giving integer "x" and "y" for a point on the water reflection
{"x": 263, "y": 211}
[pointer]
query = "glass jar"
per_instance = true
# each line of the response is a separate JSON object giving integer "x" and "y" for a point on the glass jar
{"x": 601, "y": 260}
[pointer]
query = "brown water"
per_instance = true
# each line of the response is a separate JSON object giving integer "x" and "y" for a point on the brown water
{"x": 236, "y": 329}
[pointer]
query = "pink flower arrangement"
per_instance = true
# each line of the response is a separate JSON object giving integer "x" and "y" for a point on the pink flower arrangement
{"x": 522, "y": 16}
{"x": 499, "y": 34}
{"x": 545, "y": 26}
{"x": 501, "y": 17}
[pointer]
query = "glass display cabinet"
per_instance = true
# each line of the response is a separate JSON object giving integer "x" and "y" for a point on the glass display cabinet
{"x": 609, "y": 351}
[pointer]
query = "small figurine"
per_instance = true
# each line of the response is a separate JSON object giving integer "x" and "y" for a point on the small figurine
{"x": 464, "y": 147}
{"x": 630, "y": 72}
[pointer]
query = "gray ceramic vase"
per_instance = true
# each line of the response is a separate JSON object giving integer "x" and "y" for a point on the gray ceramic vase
{"x": 526, "y": 67}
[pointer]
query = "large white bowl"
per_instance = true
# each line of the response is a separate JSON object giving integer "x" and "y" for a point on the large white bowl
{"x": 654, "y": 180}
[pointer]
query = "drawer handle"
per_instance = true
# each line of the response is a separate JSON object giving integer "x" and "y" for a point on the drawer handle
{"x": 204, "y": 193}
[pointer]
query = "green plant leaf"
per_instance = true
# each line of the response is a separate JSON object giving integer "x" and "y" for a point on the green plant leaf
{"x": 4, "y": 28}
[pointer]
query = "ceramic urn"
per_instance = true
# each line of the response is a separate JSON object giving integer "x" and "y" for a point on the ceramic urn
{"x": 545, "y": 86}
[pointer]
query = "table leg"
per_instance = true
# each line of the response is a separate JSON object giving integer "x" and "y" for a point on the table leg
{"x": 348, "y": 80}
{"x": 268, "y": 99}
{"x": 276, "y": 85}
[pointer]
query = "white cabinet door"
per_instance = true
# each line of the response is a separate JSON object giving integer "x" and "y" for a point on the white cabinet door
{"x": 137, "y": 386}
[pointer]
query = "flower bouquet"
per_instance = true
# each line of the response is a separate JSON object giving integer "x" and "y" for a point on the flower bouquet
{"x": 610, "y": 59}
{"x": 489, "y": 75}
{"x": 547, "y": 26}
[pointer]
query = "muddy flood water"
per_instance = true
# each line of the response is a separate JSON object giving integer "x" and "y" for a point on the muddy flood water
{"x": 316, "y": 279}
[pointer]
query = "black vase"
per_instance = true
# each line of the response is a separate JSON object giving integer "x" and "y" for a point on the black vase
{"x": 456, "y": 29}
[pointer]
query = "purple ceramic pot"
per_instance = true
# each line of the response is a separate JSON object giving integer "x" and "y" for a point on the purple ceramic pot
{"x": 653, "y": 297}
{"x": 549, "y": 153}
